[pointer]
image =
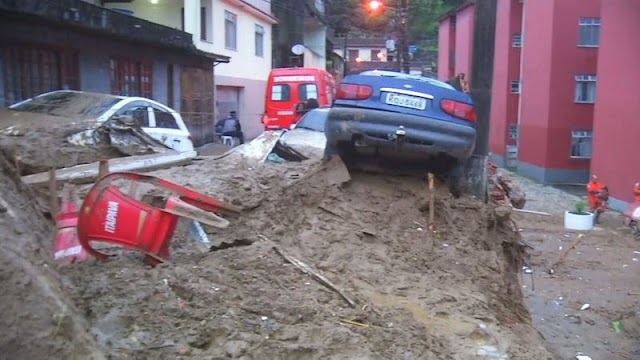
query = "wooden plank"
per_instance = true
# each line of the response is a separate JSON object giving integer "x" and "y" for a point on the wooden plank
{"x": 89, "y": 172}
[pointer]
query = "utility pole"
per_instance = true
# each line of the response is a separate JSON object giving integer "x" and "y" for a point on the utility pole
{"x": 484, "y": 36}
{"x": 404, "y": 34}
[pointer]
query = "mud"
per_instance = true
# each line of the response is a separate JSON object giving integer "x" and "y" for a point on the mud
{"x": 37, "y": 318}
{"x": 449, "y": 294}
{"x": 37, "y": 142}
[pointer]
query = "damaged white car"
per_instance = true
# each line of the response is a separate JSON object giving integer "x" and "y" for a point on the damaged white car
{"x": 65, "y": 128}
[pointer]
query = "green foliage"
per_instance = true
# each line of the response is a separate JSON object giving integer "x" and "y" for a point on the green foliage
{"x": 581, "y": 207}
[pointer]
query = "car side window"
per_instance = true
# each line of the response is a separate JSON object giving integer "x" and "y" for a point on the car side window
{"x": 308, "y": 91}
{"x": 165, "y": 119}
{"x": 281, "y": 92}
{"x": 138, "y": 111}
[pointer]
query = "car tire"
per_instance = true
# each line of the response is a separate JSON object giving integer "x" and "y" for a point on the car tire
{"x": 458, "y": 180}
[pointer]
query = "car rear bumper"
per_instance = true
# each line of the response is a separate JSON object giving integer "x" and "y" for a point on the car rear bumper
{"x": 373, "y": 130}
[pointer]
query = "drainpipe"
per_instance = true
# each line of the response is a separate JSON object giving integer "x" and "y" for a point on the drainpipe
{"x": 522, "y": 47}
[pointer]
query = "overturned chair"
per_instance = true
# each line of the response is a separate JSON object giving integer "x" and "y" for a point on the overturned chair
{"x": 110, "y": 215}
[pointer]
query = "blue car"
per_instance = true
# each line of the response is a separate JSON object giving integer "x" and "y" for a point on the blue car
{"x": 404, "y": 119}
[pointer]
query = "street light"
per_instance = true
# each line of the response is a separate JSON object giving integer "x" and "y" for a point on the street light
{"x": 374, "y": 5}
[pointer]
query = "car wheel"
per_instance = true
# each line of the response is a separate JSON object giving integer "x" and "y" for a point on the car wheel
{"x": 457, "y": 180}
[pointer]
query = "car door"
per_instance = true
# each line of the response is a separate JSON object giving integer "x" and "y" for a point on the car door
{"x": 168, "y": 128}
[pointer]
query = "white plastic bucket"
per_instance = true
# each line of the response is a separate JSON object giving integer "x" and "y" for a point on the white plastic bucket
{"x": 581, "y": 222}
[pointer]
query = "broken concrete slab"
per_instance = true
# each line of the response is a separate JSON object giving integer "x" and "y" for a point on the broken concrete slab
{"x": 89, "y": 172}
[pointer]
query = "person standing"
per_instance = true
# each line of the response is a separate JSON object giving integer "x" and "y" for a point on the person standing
{"x": 598, "y": 196}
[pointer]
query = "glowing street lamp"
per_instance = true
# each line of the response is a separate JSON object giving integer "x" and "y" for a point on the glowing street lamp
{"x": 374, "y": 5}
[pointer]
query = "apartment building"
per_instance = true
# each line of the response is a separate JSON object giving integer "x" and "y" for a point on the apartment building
{"x": 544, "y": 85}
{"x": 80, "y": 45}
{"x": 616, "y": 125}
{"x": 564, "y": 100}
{"x": 238, "y": 29}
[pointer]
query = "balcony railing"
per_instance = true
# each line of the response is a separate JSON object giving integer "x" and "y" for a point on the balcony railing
{"x": 82, "y": 15}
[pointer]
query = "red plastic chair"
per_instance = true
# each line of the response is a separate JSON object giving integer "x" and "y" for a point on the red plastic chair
{"x": 109, "y": 215}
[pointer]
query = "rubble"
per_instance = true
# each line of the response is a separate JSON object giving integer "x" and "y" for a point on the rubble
{"x": 503, "y": 189}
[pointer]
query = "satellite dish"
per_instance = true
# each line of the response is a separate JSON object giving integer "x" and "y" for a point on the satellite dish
{"x": 297, "y": 49}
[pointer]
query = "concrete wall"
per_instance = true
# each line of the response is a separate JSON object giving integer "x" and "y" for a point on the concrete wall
{"x": 315, "y": 42}
{"x": 504, "y": 104}
{"x": 548, "y": 110}
{"x": 616, "y": 124}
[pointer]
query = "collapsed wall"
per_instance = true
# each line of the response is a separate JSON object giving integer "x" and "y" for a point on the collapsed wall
{"x": 37, "y": 318}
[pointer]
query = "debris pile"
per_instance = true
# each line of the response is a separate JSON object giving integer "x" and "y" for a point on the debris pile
{"x": 503, "y": 189}
{"x": 377, "y": 283}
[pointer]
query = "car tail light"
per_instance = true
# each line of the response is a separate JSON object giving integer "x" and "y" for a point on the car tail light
{"x": 354, "y": 92}
{"x": 459, "y": 109}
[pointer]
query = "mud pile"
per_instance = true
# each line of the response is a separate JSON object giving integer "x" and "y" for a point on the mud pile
{"x": 448, "y": 294}
{"x": 37, "y": 319}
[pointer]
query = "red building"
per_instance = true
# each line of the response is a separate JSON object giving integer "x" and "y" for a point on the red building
{"x": 455, "y": 40}
{"x": 543, "y": 87}
{"x": 617, "y": 110}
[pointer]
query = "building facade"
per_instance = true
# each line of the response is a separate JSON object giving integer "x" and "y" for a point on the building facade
{"x": 238, "y": 29}
{"x": 544, "y": 84}
{"x": 78, "y": 45}
{"x": 616, "y": 124}
{"x": 455, "y": 42}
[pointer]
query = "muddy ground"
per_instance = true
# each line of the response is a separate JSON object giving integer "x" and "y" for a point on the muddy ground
{"x": 37, "y": 317}
{"x": 454, "y": 295}
{"x": 601, "y": 270}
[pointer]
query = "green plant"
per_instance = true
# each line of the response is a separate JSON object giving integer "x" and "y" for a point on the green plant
{"x": 581, "y": 207}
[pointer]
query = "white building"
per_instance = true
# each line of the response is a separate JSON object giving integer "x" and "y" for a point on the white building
{"x": 240, "y": 29}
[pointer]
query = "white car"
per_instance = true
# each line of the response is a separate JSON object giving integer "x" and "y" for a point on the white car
{"x": 158, "y": 121}
{"x": 308, "y": 135}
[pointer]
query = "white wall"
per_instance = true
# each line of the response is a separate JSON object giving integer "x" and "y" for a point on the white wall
{"x": 315, "y": 42}
{"x": 165, "y": 12}
{"x": 244, "y": 62}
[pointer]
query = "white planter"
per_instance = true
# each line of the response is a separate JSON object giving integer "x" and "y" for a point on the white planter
{"x": 578, "y": 221}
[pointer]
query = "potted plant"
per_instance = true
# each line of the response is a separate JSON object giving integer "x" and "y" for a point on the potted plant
{"x": 578, "y": 218}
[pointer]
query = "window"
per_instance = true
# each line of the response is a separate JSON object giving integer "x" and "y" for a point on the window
{"x": 589, "y": 32}
{"x": 138, "y": 111}
{"x": 307, "y": 91}
{"x": 281, "y": 92}
{"x": 375, "y": 55}
{"x": 353, "y": 55}
{"x": 203, "y": 23}
{"x": 581, "y": 144}
{"x": 586, "y": 89}
{"x": 516, "y": 40}
{"x": 131, "y": 78}
{"x": 259, "y": 41}
{"x": 164, "y": 119}
{"x": 513, "y": 132}
{"x": 230, "y": 30}
{"x": 32, "y": 70}
{"x": 515, "y": 87}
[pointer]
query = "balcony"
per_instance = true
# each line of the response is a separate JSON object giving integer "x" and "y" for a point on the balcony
{"x": 85, "y": 16}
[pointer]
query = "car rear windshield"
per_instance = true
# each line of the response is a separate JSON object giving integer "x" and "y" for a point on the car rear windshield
{"x": 314, "y": 120}
{"x": 74, "y": 104}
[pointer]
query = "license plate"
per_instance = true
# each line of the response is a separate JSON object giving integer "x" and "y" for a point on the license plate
{"x": 406, "y": 101}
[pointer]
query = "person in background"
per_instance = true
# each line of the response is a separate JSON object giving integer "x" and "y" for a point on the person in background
{"x": 231, "y": 127}
{"x": 598, "y": 196}
{"x": 636, "y": 192}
